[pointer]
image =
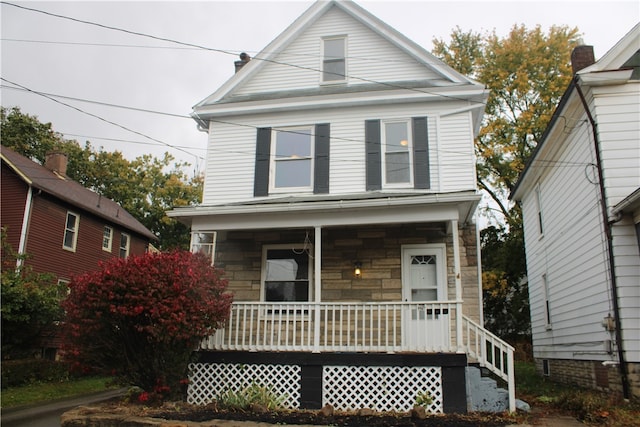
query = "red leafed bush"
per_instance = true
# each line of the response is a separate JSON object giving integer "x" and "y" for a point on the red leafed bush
{"x": 140, "y": 318}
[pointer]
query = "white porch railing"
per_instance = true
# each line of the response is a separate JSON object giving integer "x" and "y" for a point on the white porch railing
{"x": 382, "y": 327}
{"x": 386, "y": 327}
{"x": 492, "y": 353}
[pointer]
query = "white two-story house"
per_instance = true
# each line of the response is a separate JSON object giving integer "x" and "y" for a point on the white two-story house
{"x": 580, "y": 195}
{"x": 340, "y": 198}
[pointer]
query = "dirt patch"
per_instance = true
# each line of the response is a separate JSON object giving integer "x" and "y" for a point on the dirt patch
{"x": 184, "y": 412}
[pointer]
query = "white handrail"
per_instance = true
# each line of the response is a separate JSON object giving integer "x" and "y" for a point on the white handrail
{"x": 492, "y": 353}
{"x": 387, "y": 327}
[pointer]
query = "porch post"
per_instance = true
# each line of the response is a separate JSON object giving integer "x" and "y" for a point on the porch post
{"x": 456, "y": 269}
{"x": 317, "y": 286}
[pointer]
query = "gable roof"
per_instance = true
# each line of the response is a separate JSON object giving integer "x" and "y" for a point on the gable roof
{"x": 71, "y": 192}
{"x": 311, "y": 15}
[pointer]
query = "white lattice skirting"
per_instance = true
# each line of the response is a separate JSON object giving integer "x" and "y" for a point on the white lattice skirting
{"x": 209, "y": 380}
{"x": 384, "y": 388}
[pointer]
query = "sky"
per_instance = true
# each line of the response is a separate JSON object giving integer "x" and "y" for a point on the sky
{"x": 141, "y": 90}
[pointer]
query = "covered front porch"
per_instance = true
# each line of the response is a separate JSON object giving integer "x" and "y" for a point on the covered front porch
{"x": 291, "y": 266}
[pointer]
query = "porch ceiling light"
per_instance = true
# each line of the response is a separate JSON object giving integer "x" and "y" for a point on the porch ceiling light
{"x": 357, "y": 269}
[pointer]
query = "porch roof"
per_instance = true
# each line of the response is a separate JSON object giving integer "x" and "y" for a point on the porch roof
{"x": 321, "y": 211}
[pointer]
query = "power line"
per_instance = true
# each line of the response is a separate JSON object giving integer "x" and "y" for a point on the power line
{"x": 228, "y": 52}
{"x": 100, "y": 118}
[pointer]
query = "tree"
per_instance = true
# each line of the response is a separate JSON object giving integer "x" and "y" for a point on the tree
{"x": 146, "y": 186}
{"x": 505, "y": 292}
{"x": 526, "y": 72}
{"x": 30, "y": 302}
{"x": 140, "y": 318}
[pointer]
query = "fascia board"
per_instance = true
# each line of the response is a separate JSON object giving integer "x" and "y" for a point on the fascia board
{"x": 325, "y": 206}
{"x": 17, "y": 170}
{"x": 270, "y": 51}
{"x": 379, "y": 215}
{"x": 553, "y": 140}
{"x": 463, "y": 94}
{"x": 606, "y": 78}
{"x": 618, "y": 54}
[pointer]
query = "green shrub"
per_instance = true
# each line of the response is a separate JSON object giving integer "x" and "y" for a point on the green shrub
{"x": 251, "y": 395}
{"x": 29, "y": 371}
{"x": 424, "y": 399}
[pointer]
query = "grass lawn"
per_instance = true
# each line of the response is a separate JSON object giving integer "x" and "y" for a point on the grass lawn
{"x": 43, "y": 392}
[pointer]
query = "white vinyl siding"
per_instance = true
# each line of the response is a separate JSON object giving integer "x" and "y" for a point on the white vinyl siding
{"x": 573, "y": 252}
{"x": 369, "y": 56}
{"x": 231, "y": 156}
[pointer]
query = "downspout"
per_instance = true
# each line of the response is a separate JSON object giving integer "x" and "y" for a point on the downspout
{"x": 22, "y": 246}
{"x": 607, "y": 230}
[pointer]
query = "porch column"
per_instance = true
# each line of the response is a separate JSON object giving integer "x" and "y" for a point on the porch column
{"x": 317, "y": 286}
{"x": 456, "y": 269}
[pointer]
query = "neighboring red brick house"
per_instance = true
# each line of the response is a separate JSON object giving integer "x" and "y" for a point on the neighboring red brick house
{"x": 64, "y": 228}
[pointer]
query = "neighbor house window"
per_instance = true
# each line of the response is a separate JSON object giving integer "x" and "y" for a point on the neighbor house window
{"x": 124, "y": 245}
{"x": 334, "y": 59}
{"x": 107, "y": 238}
{"x": 539, "y": 210}
{"x": 286, "y": 272}
{"x": 292, "y": 157}
{"x": 71, "y": 232}
{"x": 204, "y": 242}
{"x": 397, "y": 153}
{"x": 547, "y": 309}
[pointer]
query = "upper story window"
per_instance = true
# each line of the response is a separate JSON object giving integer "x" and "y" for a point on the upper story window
{"x": 71, "y": 232}
{"x": 397, "y": 153}
{"x": 204, "y": 242}
{"x": 334, "y": 62}
{"x": 107, "y": 238}
{"x": 292, "y": 159}
{"x": 286, "y": 272}
{"x": 124, "y": 245}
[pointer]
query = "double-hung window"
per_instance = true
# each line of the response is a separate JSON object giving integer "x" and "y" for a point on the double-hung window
{"x": 124, "y": 245}
{"x": 292, "y": 157}
{"x": 71, "y": 232}
{"x": 204, "y": 242}
{"x": 334, "y": 62}
{"x": 107, "y": 238}
{"x": 286, "y": 272}
{"x": 397, "y": 153}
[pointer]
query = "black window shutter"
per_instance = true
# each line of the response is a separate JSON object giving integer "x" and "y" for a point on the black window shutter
{"x": 421, "y": 175}
{"x": 321, "y": 167}
{"x": 373, "y": 148}
{"x": 263, "y": 153}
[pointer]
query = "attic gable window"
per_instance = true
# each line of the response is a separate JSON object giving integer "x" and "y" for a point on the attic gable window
{"x": 334, "y": 63}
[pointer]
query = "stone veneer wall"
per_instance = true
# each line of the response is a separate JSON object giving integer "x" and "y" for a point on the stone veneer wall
{"x": 378, "y": 248}
{"x": 592, "y": 374}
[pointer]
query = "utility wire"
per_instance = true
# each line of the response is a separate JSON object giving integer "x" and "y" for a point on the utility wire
{"x": 228, "y": 52}
{"x": 101, "y": 118}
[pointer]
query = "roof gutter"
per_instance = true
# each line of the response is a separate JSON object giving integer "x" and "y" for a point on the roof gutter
{"x": 607, "y": 229}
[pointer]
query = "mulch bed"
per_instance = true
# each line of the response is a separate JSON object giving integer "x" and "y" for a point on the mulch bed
{"x": 205, "y": 413}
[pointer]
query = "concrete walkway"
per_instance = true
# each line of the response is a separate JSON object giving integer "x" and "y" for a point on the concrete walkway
{"x": 21, "y": 414}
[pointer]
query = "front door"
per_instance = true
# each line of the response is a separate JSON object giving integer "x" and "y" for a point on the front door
{"x": 425, "y": 323}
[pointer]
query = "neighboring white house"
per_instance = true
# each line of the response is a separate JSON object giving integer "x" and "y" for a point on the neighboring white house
{"x": 580, "y": 196}
{"x": 340, "y": 197}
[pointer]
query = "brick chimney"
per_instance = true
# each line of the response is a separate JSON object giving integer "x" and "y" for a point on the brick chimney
{"x": 56, "y": 161}
{"x": 581, "y": 57}
{"x": 244, "y": 59}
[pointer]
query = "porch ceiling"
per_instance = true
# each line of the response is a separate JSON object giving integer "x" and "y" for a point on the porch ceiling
{"x": 296, "y": 212}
